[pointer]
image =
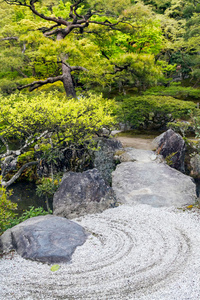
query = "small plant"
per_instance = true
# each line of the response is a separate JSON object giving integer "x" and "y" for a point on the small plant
{"x": 25, "y": 157}
{"x": 180, "y": 127}
{"x": 169, "y": 158}
{"x": 47, "y": 188}
{"x": 27, "y": 214}
{"x": 196, "y": 124}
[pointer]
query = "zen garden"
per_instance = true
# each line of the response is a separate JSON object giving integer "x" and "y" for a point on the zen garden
{"x": 100, "y": 149}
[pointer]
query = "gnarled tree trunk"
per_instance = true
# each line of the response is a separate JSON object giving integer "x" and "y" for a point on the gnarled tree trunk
{"x": 66, "y": 73}
{"x": 67, "y": 81}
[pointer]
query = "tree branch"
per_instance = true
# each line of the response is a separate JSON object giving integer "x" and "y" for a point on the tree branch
{"x": 5, "y": 164}
{"x": 17, "y": 175}
{"x": 31, "y": 5}
{"x": 73, "y": 14}
{"x": 104, "y": 54}
{"x": 5, "y": 143}
{"x": 9, "y": 38}
{"x": 78, "y": 68}
{"x": 20, "y": 72}
{"x": 26, "y": 144}
{"x": 119, "y": 69}
{"x": 36, "y": 84}
{"x": 45, "y": 29}
{"x": 105, "y": 23}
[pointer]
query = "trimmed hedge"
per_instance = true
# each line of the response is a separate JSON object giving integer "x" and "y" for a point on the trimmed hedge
{"x": 153, "y": 111}
{"x": 179, "y": 92}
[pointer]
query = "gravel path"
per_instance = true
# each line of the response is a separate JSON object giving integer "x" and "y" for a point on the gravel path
{"x": 139, "y": 252}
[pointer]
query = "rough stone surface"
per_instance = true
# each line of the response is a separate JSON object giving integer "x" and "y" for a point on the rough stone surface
{"x": 131, "y": 154}
{"x": 172, "y": 146}
{"x": 104, "y": 157}
{"x": 152, "y": 183}
{"x": 195, "y": 166}
{"x": 82, "y": 193}
{"x": 45, "y": 238}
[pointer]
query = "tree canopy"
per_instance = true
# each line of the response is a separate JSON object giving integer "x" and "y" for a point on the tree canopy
{"x": 80, "y": 44}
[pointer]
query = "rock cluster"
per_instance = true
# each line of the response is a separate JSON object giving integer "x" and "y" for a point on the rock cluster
{"x": 141, "y": 177}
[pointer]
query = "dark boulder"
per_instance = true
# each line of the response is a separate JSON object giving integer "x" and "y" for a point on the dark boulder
{"x": 172, "y": 147}
{"x": 45, "y": 238}
{"x": 104, "y": 158}
{"x": 195, "y": 166}
{"x": 82, "y": 193}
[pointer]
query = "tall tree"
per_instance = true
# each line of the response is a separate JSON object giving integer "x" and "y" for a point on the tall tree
{"x": 59, "y": 28}
{"x": 68, "y": 33}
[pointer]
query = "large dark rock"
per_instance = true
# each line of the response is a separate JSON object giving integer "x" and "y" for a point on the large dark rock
{"x": 82, "y": 193}
{"x": 104, "y": 157}
{"x": 45, "y": 238}
{"x": 172, "y": 147}
{"x": 195, "y": 166}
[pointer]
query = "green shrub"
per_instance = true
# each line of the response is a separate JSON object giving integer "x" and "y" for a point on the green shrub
{"x": 176, "y": 91}
{"x": 26, "y": 157}
{"x": 47, "y": 189}
{"x": 7, "y": 210}
{"x": 181, "y": 127}
{"x": 148, "y": 109}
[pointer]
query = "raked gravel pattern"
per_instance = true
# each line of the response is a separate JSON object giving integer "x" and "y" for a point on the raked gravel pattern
{"x": 139, "y": 252}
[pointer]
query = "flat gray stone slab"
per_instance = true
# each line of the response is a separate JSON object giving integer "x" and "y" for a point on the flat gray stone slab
{"x": 132, "y": 154}
{"x": 45, "y": 238}
{"x": 152, "y": 183}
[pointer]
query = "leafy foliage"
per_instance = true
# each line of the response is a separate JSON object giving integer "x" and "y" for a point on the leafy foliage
{"x": 27, "y": 214}
{"x": 76, "y": 120}
{"x": 47, "y": 188}
{"x": 51, "y": 124}
{"x": 7, "y": 209}
{"x": 143, "y": 110}
{"x": 181, "y": 127}
{"x": 100, "y": 49}
{"x": 176, "y": 91}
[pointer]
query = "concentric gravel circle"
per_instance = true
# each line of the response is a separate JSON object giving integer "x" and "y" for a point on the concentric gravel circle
{"x": 131, "y": 252}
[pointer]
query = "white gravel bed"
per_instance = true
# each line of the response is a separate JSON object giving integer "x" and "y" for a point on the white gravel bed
{"x": 139, "y": 252}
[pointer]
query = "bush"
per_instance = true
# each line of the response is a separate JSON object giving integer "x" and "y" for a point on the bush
{"x": 7, "y": 210}
{"x": 74, "y": 120}
{"x": 176, "y": 91}
{"x": 154, "y": 111}
{"x": 45, "y": 127}
{"x": 181, "y": 127}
